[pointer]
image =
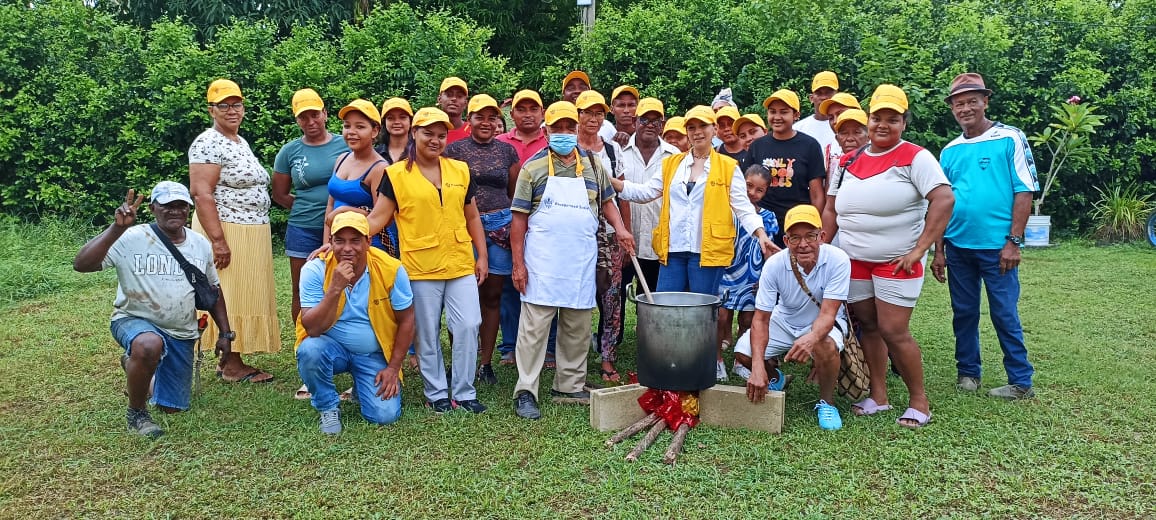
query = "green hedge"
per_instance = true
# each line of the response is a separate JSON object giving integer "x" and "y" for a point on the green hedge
{"x": 90, "y": 105}
{"x": 1033, "y": 53}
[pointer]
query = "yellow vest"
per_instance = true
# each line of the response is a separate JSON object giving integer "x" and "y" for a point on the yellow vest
{"x": 718, "y": 222}
{"x": 382, "y": 272}
{"x": 432, "y": 234}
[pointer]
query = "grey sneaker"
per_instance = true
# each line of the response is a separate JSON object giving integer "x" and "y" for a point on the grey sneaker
{"x": 741, "y": 372}
{"x": 579, "y": 397}
{"x": 1012, "y": 392}
{"x": 967, "y": 384}
{"x": 331, "y": 422}
{"x": 525, "y": 406}
{"x": 141, "y": 423}
{"x": 720, "y": 371}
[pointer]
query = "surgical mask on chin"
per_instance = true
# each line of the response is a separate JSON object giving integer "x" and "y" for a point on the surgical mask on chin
{"x": 563, "y": 144}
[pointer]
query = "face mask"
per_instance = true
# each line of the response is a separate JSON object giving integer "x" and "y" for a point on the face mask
{"x": 563, "y": 144}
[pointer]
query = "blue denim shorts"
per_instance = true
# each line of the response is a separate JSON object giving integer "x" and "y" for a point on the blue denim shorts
{"x": 300, "y": 242}
{"x": 501, "y": 259}
{"x": 174, "y": 376}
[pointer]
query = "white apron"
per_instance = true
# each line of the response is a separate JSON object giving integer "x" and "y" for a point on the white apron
{"x": 561, "y": 246}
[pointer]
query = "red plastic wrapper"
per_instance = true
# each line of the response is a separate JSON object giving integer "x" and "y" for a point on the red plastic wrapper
{"x": 675, "y": 408}
{"x": 202, "y": 321}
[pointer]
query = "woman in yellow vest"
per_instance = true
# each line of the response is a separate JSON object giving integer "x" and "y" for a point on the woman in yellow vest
{"x": 695, "y": 236}
{"x": 439, "y": 233}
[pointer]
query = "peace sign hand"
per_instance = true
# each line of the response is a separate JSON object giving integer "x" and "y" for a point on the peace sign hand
{"x": 126, "y": 213}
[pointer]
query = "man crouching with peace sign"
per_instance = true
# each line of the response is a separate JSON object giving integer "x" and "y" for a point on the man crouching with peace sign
{"x": 154, "y": 316}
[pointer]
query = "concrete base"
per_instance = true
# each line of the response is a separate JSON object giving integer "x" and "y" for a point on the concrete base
{"x": 724, "y": 406}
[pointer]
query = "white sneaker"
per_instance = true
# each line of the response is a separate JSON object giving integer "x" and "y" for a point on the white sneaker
{"x": 720, "y": 372}
{"x": 331, "y": 422}
{"x": 742, "y": 372}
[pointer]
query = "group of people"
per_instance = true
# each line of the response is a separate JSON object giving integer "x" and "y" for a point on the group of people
{"x": 408, "y": 217}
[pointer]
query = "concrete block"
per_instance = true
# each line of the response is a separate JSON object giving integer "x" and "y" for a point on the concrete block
{"x": 615, "y": 408}
{"x": 727, "y": 406}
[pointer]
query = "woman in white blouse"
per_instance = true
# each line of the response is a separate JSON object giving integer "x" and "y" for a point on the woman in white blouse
{"x": 702, "y": 193}
{"x": 230, "y": 191}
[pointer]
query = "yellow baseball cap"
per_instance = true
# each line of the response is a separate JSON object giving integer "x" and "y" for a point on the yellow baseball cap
{"x": 825, "y": 79}
{"x": 363, "y": 106}
{"x": 396, "y": 103}
{"x": 523, "y": 95}
{"x": 624, "y": 88}
{"x": 748, "y": 118}
{"x": 575, "y": 74}
{"x": 702, "y": 113}
{"x": 306, "y": 99}
{"x": 841, "y": 98}
{"x": 431, "y": 115}
{"x": 453, "y": 81}
{"x": 650, "y": 105}
{"x": 350, "y": 219}
{"x": 589, "y": 98}
{"x": 675, "y": 124}
{"x": 727, "y": 111}
{"x": 786, "y": 96}
{"x": 480, "y": 101}
{"x": 561, "y": 110}
{"x": 853, "y": 114}
{"x": 222, "y": 89}
{"x": 802, "y": 214}
{"x": 888, "y": 96}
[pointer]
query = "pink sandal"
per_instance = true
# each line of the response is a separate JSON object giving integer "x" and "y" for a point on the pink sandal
{"x": 868, "y": 406}
{"x": 921, "y": 419}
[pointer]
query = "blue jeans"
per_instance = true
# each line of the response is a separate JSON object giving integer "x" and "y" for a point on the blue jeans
{"x": 172, "y": 381}
{"x": 966, "y": 270}
{"x": 501, "y": 260}
{"x": 318, "y": 359}
{"x": 510, "y": 314}
{"x": 683, "y": 273}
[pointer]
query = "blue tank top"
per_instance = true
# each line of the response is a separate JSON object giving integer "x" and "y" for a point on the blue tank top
{"x": 350, "y": 192}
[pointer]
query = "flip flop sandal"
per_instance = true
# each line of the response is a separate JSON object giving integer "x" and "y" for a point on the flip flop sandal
{"x": 346, "y": 395}
{"x": 868, "y": 406}
{"x": 609, "y": 375}
{"x": 921, "y": 419}
{"x": 302, "y": 393}
{"x": 247, "y": 378}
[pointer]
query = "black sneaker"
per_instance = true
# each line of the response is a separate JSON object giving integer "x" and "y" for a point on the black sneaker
{"x": 440, "y": 406}
{"x": 579, "y": 397}
{"x": 141, "y": 423}
{"x": 525, "y": 406}
{"x": 486, "y": 375}
{"x": 472, "y": 405}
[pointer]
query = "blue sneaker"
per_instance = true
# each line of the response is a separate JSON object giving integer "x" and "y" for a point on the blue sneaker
{"x": 778, "y": 383}
{"x": 828, "y": 416}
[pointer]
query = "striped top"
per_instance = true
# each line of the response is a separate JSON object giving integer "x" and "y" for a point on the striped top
{"x": 536, "y": 170}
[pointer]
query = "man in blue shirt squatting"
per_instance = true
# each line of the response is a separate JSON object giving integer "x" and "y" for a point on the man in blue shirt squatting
{"x": 357, "y": 317}
{"x": 993, "y": 175}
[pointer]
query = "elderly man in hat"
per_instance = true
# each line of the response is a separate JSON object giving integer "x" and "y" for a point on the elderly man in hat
{"x": 357, "y": 317}
{"x": 993, "y": 176}
{"x": 798, "y": 313}
{"x": 154, "y": 316}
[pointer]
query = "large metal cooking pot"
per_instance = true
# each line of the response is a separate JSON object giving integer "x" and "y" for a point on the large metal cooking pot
{"x": 677, "y": 340}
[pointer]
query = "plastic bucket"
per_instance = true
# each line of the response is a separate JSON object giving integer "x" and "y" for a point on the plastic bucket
{"x": 1038, "y": 231}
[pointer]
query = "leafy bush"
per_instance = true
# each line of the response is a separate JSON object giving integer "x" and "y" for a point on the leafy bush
{"x": 90, "y": 106}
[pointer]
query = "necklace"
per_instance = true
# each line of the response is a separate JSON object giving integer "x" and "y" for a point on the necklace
{"x": 696, "y": 156}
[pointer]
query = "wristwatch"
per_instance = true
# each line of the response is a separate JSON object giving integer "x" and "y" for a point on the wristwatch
{"x": 231, "y": 335}
{"x": 1015, "y": 239}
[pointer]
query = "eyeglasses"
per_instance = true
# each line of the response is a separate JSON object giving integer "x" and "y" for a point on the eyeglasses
{"x": 224, "y": 107}
{"x": 794, "y": 240}
{"x": 642, "y": 121}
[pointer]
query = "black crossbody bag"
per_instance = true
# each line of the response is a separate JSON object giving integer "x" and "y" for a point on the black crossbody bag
{"x": 205, "y": 295}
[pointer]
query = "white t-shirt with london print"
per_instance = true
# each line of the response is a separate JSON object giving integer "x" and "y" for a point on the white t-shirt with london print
{"x": 152, "y": 285}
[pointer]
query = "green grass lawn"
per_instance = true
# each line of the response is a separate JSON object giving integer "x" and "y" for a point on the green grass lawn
{"x": 1084, "y": 448}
